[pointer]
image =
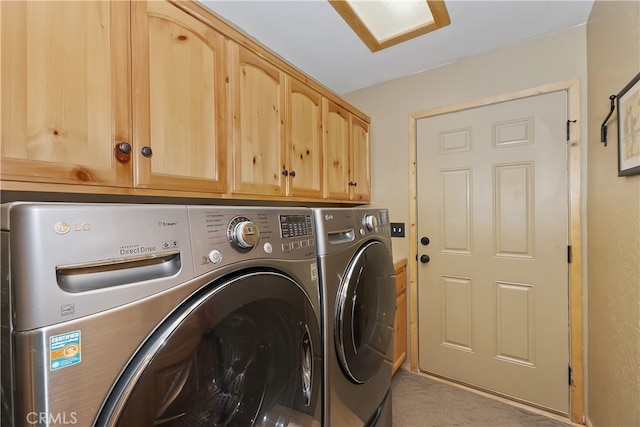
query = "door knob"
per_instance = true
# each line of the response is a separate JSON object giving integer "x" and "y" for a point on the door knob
{"x": 424, "y": 259}
{"x": 424, "y": 241}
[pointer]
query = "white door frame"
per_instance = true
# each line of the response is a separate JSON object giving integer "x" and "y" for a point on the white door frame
{"x": 572, "y": 88}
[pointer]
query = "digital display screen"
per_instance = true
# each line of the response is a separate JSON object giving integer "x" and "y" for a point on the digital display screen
{"x": 383, "y": 217}
{"x": 295, "y": 225}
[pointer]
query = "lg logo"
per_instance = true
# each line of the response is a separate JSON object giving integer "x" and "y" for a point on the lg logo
{"x": 63, "y": 227}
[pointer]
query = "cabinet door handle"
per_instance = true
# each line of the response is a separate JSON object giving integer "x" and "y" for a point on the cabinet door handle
{"x": 146, "y": 151}
{"x": 285, "y": 172}
{"x": 124, "y": 147}
{"x": 293, "y": 173}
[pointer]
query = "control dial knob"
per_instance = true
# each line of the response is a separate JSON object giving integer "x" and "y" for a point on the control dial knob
{"x": 242, "y": 233}
{"x": 370, "y": 222}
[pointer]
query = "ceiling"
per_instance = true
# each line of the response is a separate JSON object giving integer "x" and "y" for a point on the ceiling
{"x": 312, "y": 36}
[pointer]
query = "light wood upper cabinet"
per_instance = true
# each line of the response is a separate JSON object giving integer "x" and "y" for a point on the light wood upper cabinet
{"x": 336, "y": 125}
{"x": 179, "y": 104}
{"x": 346, "y": 154}
{"x": 258, "y": 107}
{"x": 164, "y": 98}
{"x": 114, "y": 94}
{"x": 360, "y": 160}
{"x": 65, "y": 102}
{"x": 304, "y": 141}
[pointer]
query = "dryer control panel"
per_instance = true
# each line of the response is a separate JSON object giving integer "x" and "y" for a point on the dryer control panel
{"x": 372, "y": 221}
{"x": 341, "y": 228}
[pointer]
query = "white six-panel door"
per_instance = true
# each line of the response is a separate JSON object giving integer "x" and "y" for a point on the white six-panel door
{"x": 492, "y": 200}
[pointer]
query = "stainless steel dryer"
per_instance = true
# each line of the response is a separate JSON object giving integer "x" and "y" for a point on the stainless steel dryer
{"x": 358, "y": 298}
{"x": 140, "y": 315}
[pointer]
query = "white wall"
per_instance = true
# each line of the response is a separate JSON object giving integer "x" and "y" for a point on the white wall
{"x": 613, "y": 47}
{"x": 553, "y": 58}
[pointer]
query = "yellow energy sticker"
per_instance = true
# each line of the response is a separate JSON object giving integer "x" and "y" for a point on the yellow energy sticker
{"x": 64, "y": 350}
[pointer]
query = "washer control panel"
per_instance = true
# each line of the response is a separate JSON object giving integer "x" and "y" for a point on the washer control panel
{"x": 223, "y": 235}
{"x": 296, "y": 232}
{"x": 242, "y": 233}
{"x": 295, "y": 226}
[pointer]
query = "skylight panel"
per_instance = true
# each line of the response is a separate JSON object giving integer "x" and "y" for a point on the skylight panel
{"x": 384, "y": 23}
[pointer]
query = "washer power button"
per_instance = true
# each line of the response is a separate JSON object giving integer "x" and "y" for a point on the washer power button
{"x": 215, "y": 256}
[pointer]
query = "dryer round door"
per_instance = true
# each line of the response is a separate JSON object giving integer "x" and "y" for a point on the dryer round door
{"x": 242, "y": 352}
{"x": 364, "y": 313}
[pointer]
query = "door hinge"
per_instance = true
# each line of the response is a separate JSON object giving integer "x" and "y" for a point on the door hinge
{"x": 568, "y": 128}
{"x": 570, "y": 376}
{"x": 569, "y": 254}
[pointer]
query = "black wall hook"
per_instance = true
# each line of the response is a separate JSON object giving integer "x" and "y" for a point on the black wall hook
{"x": 603, "y": 128}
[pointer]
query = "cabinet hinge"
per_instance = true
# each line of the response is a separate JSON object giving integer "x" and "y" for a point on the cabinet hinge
{"x": 569, "y": 129}
{"x": 569, "y": 254}
{"x": 570, "y": 376}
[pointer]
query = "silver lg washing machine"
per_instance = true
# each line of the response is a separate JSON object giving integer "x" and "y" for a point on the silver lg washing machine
{"x": 141, "y": 315}
{"x": 358, "y": 298}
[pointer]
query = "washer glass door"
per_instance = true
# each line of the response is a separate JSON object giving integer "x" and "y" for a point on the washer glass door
{"x": 242, "y": 353}
{"x": 364, "y": 313}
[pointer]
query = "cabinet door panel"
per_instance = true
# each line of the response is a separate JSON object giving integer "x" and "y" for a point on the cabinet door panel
{"x": 336, "y": 123}
{"x": 360, "y": 160}
{"x": 400, "y": 331}
{"x": 65, "y": 92}
{"x": 304, "y": 141}
{"x": 258, "y": 117}
{"x": 180, "y": 108}
{"x": 400, "y": 324}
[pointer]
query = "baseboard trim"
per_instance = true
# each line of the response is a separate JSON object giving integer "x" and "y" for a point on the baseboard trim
{"x": 533, "y": 409}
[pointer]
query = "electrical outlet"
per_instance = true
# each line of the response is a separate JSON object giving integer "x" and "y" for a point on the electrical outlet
{"x": 397, "y": 229}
